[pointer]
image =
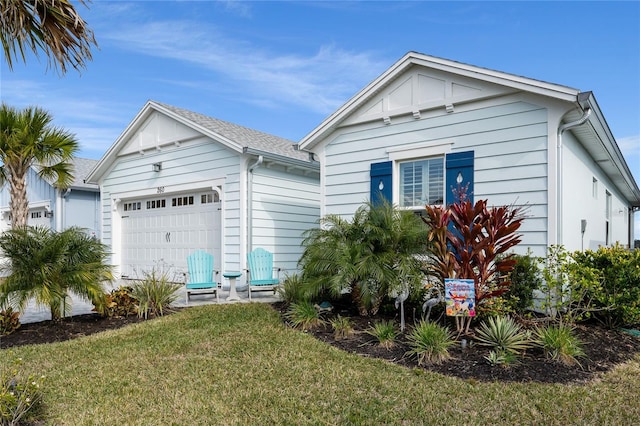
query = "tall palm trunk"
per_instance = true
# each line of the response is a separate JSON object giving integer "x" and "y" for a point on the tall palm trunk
{"x": 19, "y": 204}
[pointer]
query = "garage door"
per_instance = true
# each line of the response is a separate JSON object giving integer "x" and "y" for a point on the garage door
{"x": 38, "y": 217}
{"x": 160, "y": 232}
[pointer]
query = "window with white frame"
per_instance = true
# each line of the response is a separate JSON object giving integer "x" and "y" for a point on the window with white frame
{"x": 421, "y": 182}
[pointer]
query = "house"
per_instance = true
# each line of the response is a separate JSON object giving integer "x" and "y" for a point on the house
{"x": 427, "y": 125}
{"x": 176, "y": 181}
{"x": 58, "y": 209}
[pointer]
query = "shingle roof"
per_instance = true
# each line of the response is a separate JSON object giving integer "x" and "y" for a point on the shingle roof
{"x": 81, "y": 169}
{"x": 243, "y": 136}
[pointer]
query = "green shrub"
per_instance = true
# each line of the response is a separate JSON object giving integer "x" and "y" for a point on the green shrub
{"x": 560, "y": 343}
{"x": 525, "y": 278}
{"x": 366, "y": 257}
{"x": 385, "y": 333}
{"x": 20, "y": 394}
{"x": 504, "y": 335}
{"x": 120, "y": 303}
{"x": 569, "y": 287}
{"x": 9, "y": 321}
{"x": 342, "y": 327}
{"x": 430, "y": 343}
{"x": 292, "y": 289}
{"x": 617, "y": 303}
{"x": 304, "y": 315}
{"x": 154, "y": 294}
{"x": 47, "y": 266}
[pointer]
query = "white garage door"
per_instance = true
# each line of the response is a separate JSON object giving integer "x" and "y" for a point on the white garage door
{"x": 160, "y": 232}
{"x": 38, "y": 217}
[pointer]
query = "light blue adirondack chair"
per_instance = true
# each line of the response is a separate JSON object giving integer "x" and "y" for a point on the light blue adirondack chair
{"x": 201, "y": 277}
{"x": 260, "y": 272}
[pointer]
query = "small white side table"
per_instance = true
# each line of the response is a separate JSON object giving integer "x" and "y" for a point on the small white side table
{"x": 232, "y": 275}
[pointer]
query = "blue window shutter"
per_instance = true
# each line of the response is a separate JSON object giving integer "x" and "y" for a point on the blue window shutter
{"x": 459, "y": 165}
{"x": 381, "y": 182}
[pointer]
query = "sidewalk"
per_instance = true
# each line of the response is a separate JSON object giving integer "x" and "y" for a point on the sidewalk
{"x": 34, "y": 313}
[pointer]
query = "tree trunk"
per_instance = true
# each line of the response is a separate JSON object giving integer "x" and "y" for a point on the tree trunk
{"x": 357, "y": 300}
{"x": 19, "y": 204}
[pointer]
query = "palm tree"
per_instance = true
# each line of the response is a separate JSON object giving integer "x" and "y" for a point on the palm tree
{"x": 27, "y": 138}
{"x": 46, "y": 265}
{"x": 371, "y": 256}
{"x": 53, "y": 26}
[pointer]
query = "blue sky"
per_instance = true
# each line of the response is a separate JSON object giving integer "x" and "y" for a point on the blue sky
{"x": 282, "y": 67}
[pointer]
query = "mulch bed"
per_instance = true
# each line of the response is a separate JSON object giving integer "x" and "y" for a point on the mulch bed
{"x": 604, "y": 348}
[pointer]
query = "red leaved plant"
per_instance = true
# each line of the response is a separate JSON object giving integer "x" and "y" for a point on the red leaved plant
{"x": 469, "y": 240}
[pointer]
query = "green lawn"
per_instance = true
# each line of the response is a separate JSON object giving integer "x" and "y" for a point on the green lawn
{"x": 239, "y": 365}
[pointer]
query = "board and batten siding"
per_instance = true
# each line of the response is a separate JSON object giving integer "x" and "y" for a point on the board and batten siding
{"x": 39, "y": 194}
{"x": 190, "y": 165}
{"x": 284, "y": 205}
{"x": 38, "y": 189}
{"x": 81, "y": 208}
{"x": 509, "y": 140}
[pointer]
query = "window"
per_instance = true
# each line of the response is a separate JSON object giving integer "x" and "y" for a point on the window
{"x": 422, "y": 182}
{"x": 209, "y": 198}
{"x": 594, "y": 188}
{"x": 182, "y": 201}
{"x": 156, "y": 204}
{"x": 132, "y": 206}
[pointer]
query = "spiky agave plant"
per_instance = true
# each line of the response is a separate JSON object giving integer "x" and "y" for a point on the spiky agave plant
{"x": 504, "y": 335}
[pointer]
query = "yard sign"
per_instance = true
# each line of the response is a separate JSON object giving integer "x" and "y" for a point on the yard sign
{"x": 460, "y": 297}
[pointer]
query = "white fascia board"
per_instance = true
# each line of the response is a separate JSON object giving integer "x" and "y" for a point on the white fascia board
{"x": 46, "y": 204}
{"x": 283, "y": 159}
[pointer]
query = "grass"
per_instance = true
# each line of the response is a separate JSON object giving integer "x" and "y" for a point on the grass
{"x": 238, "y": 364}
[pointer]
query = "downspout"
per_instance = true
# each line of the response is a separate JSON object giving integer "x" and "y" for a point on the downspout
{"x": 559, "y": 166}
{"x": 58, "y": 213}
{"x": 250, "y": 201}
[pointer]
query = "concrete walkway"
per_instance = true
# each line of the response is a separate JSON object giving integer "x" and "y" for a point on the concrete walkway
{"x": 34, "y": 313}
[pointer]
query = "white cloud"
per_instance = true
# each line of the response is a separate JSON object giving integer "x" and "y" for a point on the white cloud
{"x": 319, "y": 82}
{"x": 72, "y": 112}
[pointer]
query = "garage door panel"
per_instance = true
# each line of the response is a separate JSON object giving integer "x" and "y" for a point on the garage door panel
{"x": 164, "y": 237}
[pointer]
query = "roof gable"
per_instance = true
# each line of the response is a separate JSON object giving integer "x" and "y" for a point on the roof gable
{"x": 158, "y": 125}
{"x": 419, "y": 89}
{"x": 418, "y": 81}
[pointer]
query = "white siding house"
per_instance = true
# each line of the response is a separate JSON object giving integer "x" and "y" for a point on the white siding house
{"x": 176, "y": 181}
{"x": 78, "y": 205}
{"x": 428, "y": 123}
